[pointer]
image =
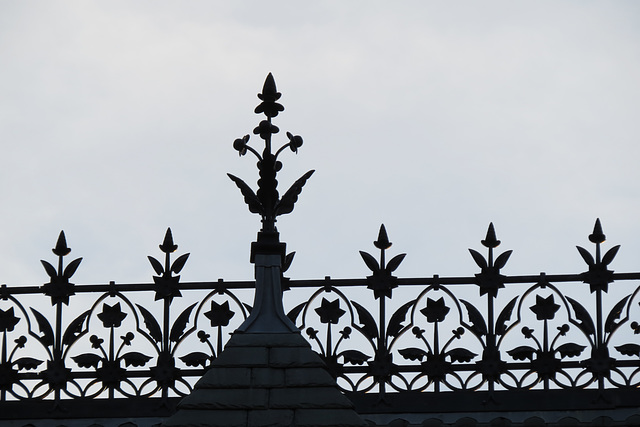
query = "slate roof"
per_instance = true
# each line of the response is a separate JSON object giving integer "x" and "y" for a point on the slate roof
{"x": 266, "y": 379}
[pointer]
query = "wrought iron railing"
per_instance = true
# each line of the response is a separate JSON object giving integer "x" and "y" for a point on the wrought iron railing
{"x": 489, "y": 341}
{"x": 380, "y": 336}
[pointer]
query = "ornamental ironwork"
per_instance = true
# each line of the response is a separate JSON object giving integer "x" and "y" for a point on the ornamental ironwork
{"x": 489, "y": 333}
{"x": 491, "y": 340}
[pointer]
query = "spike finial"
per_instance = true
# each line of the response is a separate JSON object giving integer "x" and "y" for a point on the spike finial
{"x": 61, "y": 248}
{"x": 267, "y": 201}
{"x": 597, "y": 236}
{"x": 383, "y": 240}
{"x": 490, "y": 241}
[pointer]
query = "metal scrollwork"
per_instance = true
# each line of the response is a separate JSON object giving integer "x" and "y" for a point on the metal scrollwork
{"x": 380, "y": 334}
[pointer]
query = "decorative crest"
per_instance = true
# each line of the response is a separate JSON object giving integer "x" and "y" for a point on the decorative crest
{"x": 267, "y": 202}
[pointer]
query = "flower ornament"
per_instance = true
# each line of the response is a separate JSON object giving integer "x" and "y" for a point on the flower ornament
{"x": 265, "y": 129}
{"x": 220, "y": 314}
{"x": 112, "y": 315}
{"x": 435, "y": 311}
{"x": 295, "y": 142}
{"x": 330, "y": 312}
{"x": 240, "y": 145}
{"x": 8, "y": 320}
{"x": 20, "y": 341}
{"x": 545, "y": 308}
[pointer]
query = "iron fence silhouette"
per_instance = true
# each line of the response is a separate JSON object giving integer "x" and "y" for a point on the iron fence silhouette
{"x": 392, "y": 343}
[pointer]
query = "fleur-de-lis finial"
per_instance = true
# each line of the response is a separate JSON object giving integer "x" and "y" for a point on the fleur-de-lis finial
{"x": 267, "y": 252}
{"x": 267, "y": 201}
{"x": 597, "y": 236}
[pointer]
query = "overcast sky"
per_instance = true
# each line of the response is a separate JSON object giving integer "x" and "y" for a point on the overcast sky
{"x": 435, "y": 118}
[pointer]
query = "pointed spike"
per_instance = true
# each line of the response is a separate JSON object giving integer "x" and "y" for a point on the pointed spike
{"x": 61, "y": 248}
{"x": 597, "y": 236}
{"x": 167, "y": 245}
{"x": 269, "y": 84}
{"x": 490, "y": 241}
{"x": 383, "y": 240}
{"x": 168, "y": 237}
{"x": 269, "y": 91}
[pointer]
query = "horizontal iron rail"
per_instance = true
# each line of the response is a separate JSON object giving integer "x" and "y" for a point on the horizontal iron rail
{"x": 310, "y": 283}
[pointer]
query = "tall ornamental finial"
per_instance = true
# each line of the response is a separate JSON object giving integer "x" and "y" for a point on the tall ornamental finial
{"x": 267, "y": 202}
{"x": 267, "y": 252}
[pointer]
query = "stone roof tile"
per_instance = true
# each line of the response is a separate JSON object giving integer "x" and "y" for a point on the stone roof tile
{"x": 267, "y": 377}
{"x": 297, "y": 357}
{"x": 301, "y": 377}
{"x": 226, "y": 378}
{"x": 246, "y": 398}
{"x": 236, "y": 357}
{"x": 271, "y": 417}
{"x": 208, "y": 418}
{"x": 323, "y": 417}
{"x": 309, "y": 397}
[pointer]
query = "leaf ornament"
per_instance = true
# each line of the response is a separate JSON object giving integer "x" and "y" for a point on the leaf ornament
{"x": 179, "y": 263}
{"x": 71, "y": 268}
{"x": 371, "y": 262}
{"x": 180, "y": 324}
{"x": 250, "y": 198}
{"x": 394, "y": 263}
{"x": 586, "y": 322}
{"x": 354, "y": 357}
{"x": 478, "y": 325}
{"x": 151, "y": 323}
{"x": 288, "y": 200}
{"x": 478, "y": 258}
{"x": 47, "y": 337}
{"x": 369, "y": 327}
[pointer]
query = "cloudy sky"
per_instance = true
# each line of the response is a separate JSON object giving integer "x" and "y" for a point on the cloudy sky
{"x": 435, "y": 118}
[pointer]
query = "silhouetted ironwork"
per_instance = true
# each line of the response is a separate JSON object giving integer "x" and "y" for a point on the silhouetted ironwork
{"x": 565, "y": 333}
{"x": 267, "y": 252}
{"x": 267, "y": 201}
{"x": 533, "y": 342}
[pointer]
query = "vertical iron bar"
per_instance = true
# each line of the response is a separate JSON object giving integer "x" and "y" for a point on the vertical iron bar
{"x": 545, "y": 348}
{"x": 491, "y": 339}
{"x": 111, "y": 358}
{"x": 329, "y": 351}
{"x": 167, "y": 306}
{"x": 382, "y": 339}
{"x": 436, "y": 352}
{"x": 165, "y": 349}
{"x": 3, "y": 395}
{"x": 57, "y": 351}
{"x": 599, "y": 327}
{"x": 599, "y": 337}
